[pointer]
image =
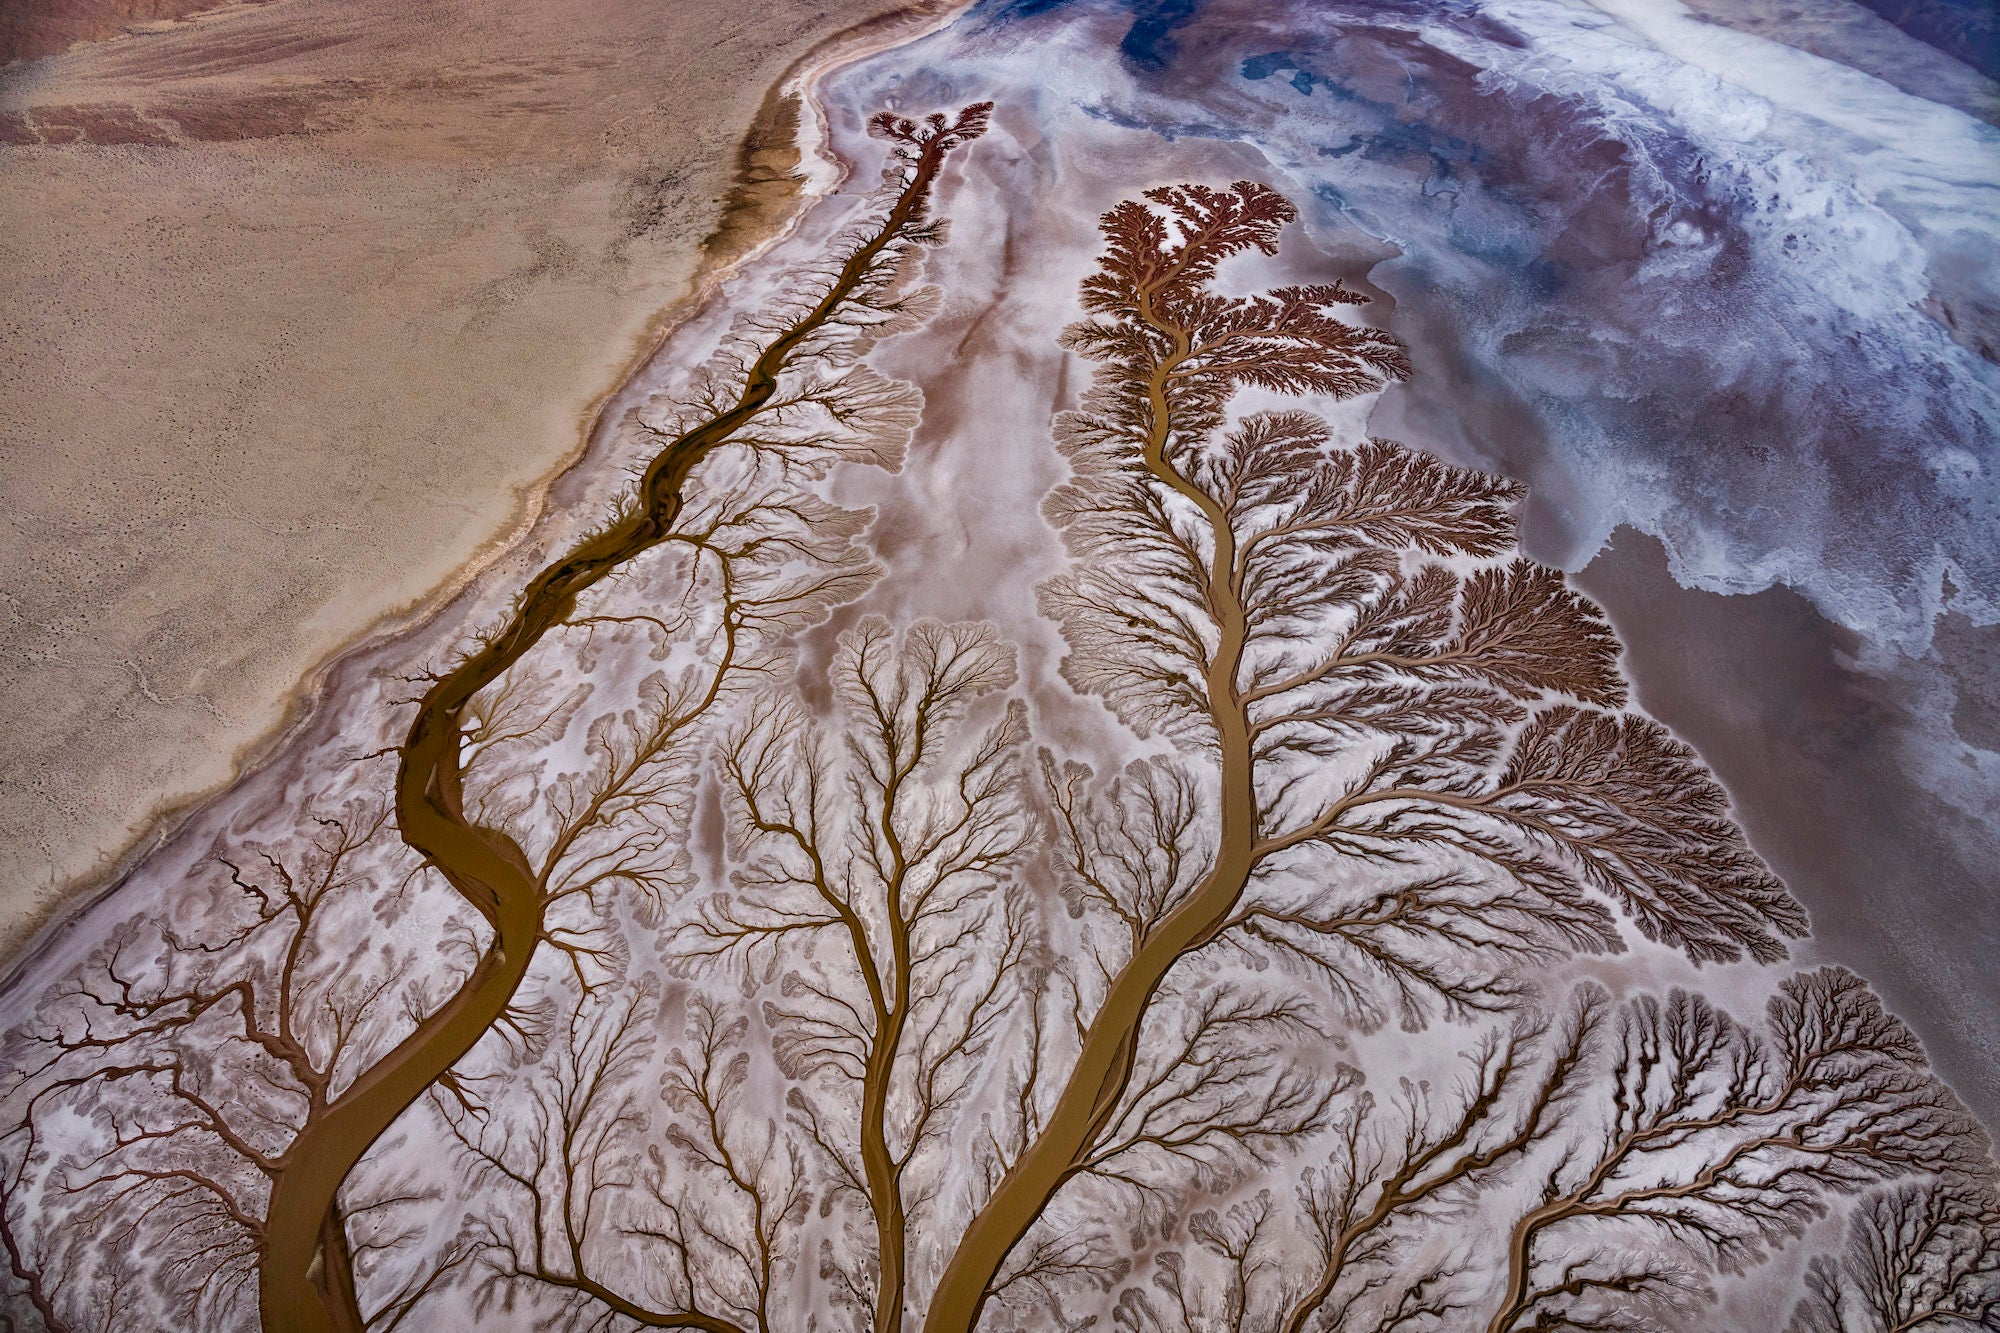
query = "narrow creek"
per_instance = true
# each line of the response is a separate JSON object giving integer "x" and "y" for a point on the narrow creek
{"x": 301, "y": 1286}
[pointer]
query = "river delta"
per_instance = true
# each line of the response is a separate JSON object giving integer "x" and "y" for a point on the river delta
{"x": 1275, "y": 667}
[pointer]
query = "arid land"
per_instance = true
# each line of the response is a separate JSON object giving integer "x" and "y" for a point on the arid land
{"x": 299, "y": 304}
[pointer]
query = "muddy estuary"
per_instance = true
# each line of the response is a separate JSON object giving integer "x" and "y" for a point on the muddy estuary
{"x": 1277, "y": 669}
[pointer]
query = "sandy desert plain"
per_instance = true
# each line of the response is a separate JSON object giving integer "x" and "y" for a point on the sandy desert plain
{"x": 303, "y": 302}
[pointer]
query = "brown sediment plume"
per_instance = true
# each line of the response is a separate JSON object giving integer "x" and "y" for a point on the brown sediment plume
{"x": 765, "y": 197}
{"x": 767, "y": 182}
{"x": 767, "y": 193}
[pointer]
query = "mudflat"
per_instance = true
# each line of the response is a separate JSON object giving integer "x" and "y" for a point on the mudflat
{"x": 299, "y": 303}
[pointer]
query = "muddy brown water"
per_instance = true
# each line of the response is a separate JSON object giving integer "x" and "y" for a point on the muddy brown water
{"x": 303, "y": 1288}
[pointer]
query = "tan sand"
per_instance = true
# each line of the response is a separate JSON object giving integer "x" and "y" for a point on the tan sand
{"x": 31, "y": 29}
{"x": 272, "y": 280}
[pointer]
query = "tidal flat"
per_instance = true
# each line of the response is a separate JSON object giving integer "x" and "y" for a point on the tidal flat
{"x": 992, "y": 796}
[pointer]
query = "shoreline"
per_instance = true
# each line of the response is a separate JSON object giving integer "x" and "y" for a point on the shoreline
{"x": 764, "y": 202}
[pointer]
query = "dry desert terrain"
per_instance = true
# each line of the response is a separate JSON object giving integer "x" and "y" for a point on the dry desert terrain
{"x": 299, "y": 302}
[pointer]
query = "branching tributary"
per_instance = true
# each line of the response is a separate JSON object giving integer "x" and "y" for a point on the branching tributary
{"x": 306, "y": 1282}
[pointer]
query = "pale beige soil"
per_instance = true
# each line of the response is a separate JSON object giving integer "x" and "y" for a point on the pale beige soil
{"x": 299, "y": 302}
